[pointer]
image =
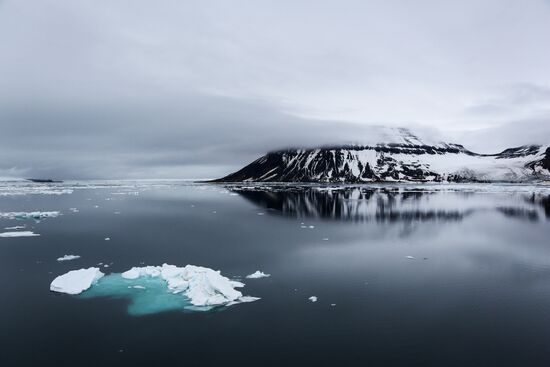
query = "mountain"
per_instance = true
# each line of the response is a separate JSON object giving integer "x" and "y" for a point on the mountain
{"x": 409, "y": 159}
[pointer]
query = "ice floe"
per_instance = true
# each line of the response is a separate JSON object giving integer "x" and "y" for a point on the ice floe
{"x": 258, "y": 274}
{"x": 153, "y": 289}
{"x": 107, "y": 238}
{"x": 76, "y": 281}
{"x": 68, "y": 257}
{"x": 409, "y": 257}
{"x": 28, "y": 215}
{"x": 15, "y": 227}
{"x": 203, "y": 286}
{"x": 313, "y": 299}
{"x": 19, "y": 234}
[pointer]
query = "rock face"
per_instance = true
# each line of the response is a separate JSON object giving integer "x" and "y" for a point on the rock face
{"x": 408, "y": 161}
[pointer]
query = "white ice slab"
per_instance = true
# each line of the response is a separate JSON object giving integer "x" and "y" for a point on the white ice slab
{"x": 19, "y": 234}
{"x": 76, "y": 281}
{"x": 68, "y": 257}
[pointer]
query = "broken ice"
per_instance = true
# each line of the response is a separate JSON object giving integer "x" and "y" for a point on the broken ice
{"x": 153, "y": 289}
{"x": 19, "y": 234}
{"x": 258, "y": 274}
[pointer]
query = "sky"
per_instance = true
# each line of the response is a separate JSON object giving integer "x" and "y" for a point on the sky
{"x": 197, "y": 89}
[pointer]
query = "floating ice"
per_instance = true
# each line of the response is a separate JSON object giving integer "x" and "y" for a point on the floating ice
{"x": 313, "y": 299}
{"x": 76, "y": 281}
{"x": 258, "y": 274}
{"x": 19, "y": 234}
{"x": 107, "y": 238}
{"x": 409, "y": 257}
{"x": 153, "y": 289}
{"x": 15, "y": 227}
{"x": 68, "y": 257}
{"x": 28, "y": 215}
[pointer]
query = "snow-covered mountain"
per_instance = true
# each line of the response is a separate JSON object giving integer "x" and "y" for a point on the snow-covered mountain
{"x": 410, "y": 159}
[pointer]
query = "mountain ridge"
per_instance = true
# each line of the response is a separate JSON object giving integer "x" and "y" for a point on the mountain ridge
{"x": 408, "y": 161}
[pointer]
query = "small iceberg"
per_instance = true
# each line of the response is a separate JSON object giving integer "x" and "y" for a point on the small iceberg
{"x": 313, "y": 299}
{"x": 15, "y": 227}
{"x": 19, "y": 234}
{"x": 153, "y": 289}
{"x": 258, "y": 274}
{"x": 68, "y": 257}
{"x": 409, "y": 257}
{"x": 76, "y": 281}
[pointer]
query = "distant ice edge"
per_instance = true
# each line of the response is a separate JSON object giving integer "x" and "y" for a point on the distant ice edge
{"x": 203, "y": 287}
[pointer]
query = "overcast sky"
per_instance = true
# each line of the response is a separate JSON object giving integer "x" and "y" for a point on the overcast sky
{"x": 187, "y": 89}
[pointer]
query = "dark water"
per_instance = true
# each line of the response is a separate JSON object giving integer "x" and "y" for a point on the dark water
{"x": 477, "y": 292}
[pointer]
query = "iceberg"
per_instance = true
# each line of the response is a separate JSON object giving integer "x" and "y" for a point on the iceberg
{"x": 203, "y": 286}
{"x": 19, "y": 234}
{"x": 68, "y": 257}
{"x": 313, "y": 299}
{"x": 258, "y": 274}
{"x": 153, "y": 289}
{"x": 76, "y": 281}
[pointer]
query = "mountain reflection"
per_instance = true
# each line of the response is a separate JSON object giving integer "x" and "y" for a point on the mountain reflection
{"x": 392, "y": 204}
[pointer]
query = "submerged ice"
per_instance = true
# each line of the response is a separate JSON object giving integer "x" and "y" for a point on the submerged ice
{"x": 153, "y": 289}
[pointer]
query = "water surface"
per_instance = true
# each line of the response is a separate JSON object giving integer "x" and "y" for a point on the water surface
{"x": 475, "y": 293}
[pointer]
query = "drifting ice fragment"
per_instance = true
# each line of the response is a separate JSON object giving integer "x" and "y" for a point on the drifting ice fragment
{"x": 410, "y": 257}
{"x": 168, "y": 288}
{"x": 68, "y": 257}
{"x": 313, "y": 299}
{"x": 28, "y": 215}
{"x": 19, "y": 234}
{"x": 15, "y": 227}
{"x": 76, "y": 281}
{"x": 258, "y": 274}
{"x": 107, "y": 238}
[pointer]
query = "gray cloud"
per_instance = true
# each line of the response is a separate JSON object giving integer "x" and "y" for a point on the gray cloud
{"x": 103, "y": 89}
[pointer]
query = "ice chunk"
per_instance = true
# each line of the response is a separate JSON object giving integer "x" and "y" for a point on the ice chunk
{"x": 258, "y": 274}
{"x": 28, "y": 215}
{"x": 76, "y": 281}
{"x": 409, "y": 257}
{"x": 313, "y": 299}
{"x": 68, "y": 258}
{"x": 19, "y": 234}
{"x": 107, "y": 238}
{"x": 15, "y": 227}
{"x": 170, "y": 287}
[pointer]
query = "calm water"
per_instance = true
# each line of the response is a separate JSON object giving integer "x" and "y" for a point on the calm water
{"x": 477, "y": 292}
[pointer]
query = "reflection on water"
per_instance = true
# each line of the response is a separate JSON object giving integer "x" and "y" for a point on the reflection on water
{"x": 390, "y": 204}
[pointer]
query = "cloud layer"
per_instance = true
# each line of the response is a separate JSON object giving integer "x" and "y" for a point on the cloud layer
{"x": 126, "y": 89}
